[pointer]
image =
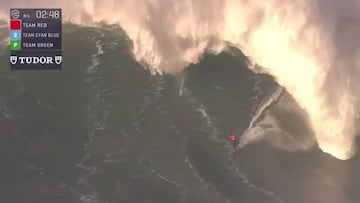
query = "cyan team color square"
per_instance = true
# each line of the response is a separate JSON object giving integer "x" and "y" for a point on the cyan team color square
{"x": 15, "y": 34}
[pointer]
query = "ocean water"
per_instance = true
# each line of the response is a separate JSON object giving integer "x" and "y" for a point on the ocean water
{"x": 106, "y": 130}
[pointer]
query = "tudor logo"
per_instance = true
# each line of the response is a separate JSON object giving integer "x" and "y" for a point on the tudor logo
{"x": 58, "y": 59}
{"x": 35, "y": 60}
{"x": 13, "y": 59}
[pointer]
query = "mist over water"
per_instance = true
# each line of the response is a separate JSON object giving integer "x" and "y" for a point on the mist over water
{"x": 311, "y": 47}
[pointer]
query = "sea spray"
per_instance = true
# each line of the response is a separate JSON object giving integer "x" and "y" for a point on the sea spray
{"x": 254, "y": 133}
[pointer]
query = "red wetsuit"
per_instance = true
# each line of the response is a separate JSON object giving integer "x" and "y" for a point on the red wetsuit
{"x": 234, "y": 139}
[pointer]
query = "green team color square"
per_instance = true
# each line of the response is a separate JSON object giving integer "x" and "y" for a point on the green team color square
{"x": 15, "y": 45}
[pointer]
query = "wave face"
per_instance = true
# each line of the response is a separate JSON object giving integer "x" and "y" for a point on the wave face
{"x": 311, "y": 47}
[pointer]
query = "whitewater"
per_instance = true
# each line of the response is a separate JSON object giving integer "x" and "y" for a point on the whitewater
{"x": 311, "y": 47}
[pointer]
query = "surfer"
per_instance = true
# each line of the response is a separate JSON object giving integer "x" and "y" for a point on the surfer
{"x": 235, "y": 140}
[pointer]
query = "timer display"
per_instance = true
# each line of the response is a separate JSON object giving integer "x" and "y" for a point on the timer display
{"x": 43, "y": 14}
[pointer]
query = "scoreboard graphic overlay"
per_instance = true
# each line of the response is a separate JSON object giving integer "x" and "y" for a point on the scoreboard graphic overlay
{"x": 35, "y": 39}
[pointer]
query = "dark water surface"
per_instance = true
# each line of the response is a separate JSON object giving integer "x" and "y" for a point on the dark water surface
{"x": 105, "y": 130}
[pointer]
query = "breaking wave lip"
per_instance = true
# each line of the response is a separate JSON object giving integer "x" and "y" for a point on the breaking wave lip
{"x": 281, "y": 123}
{"x": 309, "y": 46}
{"x": 250, "y": 134}
{"x": 292, "y": 40}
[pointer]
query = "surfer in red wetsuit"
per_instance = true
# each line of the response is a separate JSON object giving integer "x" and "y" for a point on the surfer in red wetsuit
{"x": 234, "y": 139}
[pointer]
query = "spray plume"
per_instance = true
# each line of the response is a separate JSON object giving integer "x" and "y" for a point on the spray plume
{"x": 311, "y": 47}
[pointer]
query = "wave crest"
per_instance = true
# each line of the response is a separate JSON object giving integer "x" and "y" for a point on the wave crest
{"x": 309, "y": 46}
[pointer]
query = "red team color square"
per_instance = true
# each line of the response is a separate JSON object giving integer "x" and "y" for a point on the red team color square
{"x": 15, "y": 24}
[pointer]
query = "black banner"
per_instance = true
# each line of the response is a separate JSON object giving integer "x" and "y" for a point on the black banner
{"x": 35, "y": 39}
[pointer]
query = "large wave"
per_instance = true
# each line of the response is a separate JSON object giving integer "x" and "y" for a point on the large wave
{"x": 311, "y": 47}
